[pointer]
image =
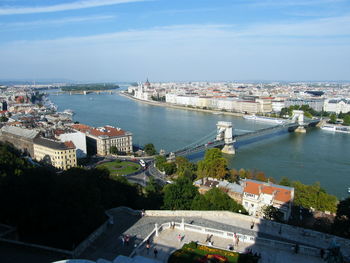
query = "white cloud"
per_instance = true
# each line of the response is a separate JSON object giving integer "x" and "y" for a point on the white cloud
{"x": 277, "y": 3}
{"x": 53, "y": 22}
{"x": 184, "y": 52}
{"x": 63, "y": 7}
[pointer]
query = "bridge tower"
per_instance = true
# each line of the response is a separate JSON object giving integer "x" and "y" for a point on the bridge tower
{"x": 224, "y": 132}
{"x": 298, "y": 116}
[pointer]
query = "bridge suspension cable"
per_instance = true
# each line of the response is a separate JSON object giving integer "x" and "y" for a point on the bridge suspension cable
{"x": 200, "y": 141}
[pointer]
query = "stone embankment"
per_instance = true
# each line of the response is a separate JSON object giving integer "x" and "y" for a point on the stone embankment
{"x": 164, "y": 104}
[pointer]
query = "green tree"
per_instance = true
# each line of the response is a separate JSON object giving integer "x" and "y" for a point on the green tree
{"x": 153, "y": 192}
{"x": 216, "y": 199}
{"x": 150, "y": 149}
{"x": 180, "y": 194}
{"x": 113, "y": 150}
{"x": 285, "y": 181}
{"x": 346, "y": 120}
{"x": 314, "y": 196}
{"x": 333, "y": 118}
{"x": 341, "y": 224}
{"x": 160, "y": 161}
{"x": 272, "y": 213}
{"x": 3, "y": 119}
{"x": 213, "y": 165}
{"x": 169, "y": 168}
{"x": 185, "y": 168}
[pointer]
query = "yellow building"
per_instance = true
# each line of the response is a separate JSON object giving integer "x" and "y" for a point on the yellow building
{"x": 61, "y": 155}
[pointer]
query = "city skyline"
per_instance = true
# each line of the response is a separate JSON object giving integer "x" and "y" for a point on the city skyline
{"x": 124, "y": 40}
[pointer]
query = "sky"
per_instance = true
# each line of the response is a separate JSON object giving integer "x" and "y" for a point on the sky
{"x": 175, "y": 40}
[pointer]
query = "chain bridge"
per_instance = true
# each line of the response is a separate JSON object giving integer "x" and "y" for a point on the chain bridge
{"x": 226, "y": 137}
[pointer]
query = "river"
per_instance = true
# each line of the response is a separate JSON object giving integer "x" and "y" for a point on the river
{"x": 315, "y": 156}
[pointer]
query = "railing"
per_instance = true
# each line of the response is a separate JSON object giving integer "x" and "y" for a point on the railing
{"x": 247, "y": 239}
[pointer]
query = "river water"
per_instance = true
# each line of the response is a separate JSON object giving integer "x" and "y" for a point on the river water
{"x": 315, "y": 156}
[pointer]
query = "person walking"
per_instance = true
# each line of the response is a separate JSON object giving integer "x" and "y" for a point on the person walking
{"x": 148, "y": 246}
{"x": 179, "y": 237}
{"x": 155, "y": 251}
{"x": 127, "y": 239}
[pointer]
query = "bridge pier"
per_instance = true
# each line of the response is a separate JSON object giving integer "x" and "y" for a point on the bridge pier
{"x": 300, "y": 129}
{"x": 298, "y": 115}
{"x": 224, "y": 132}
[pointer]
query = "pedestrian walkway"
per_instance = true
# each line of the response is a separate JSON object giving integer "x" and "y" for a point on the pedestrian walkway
{"x": 109, "y": 244}
{"x": 167, "y": 242}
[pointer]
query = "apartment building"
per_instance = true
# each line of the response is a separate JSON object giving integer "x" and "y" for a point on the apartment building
{"x": 257, "y": 195}
{"x": 337, "y": 105}
{"x": 61, "y": 155}
{"x": 100, "y": 140}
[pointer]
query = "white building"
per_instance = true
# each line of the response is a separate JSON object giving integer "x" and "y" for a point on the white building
{"x": 257, "y": 195}
{"x": 79, "y": 140}
{"x": 337, "y": 105}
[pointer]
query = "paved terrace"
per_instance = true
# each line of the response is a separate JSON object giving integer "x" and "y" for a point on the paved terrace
{"x": 167, "y": 242}
{"x": 274, "y": 241}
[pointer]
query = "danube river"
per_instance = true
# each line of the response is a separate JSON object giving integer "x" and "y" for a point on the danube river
{"x": 314, "y": 156}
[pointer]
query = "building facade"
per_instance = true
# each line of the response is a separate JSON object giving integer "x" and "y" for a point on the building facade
{"x": 100, "y": 140}
{"x": 79, "y": 140}
{"x": 258, "y": 195}
{"x": 61, "y": 155}
{"x": 337, "y": 105}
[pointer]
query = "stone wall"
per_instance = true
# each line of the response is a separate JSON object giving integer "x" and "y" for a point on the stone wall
{"x": 18, "y": 142}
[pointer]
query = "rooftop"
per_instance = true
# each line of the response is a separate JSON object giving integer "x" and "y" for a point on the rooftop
{"x": 54, "y": 144}
{"x": 108, "y": 131}
{"x": 280, "y": 192}
{"x": 22, "y": 132}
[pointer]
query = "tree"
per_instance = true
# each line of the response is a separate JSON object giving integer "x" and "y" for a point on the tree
{"x": 169, "y": 168}
{"x": 185, "y": 168}
{"x": 180, "y": 194}
{"x": 113, "y": 150}
{"x": 3, "y": 119}
{"x": 160, "y": 161}
{"x": 216, "y": 199}
{"x": 213, "y": 165}
{"x": 150, "y": 149}
{"x": 313, "y": 196}
{"x": 260, "y": 176}
{"x": 341, "y": 224}
{"x": 285, "y": 181}
{"x": 346, "y": 120}
{"x": 153, "y": 193}
{"x": 272, "y": 213}
{"x": 333, "y": 118}
{"x": 233, "y": 176}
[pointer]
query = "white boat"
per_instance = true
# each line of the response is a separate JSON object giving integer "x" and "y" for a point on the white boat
{"x": 263, "y": 119}
{"x": 336, "y": 128}
{"x": 69, "y": 112}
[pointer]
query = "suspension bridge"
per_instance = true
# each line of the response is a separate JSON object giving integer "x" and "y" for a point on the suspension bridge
{"x": 226, "y": 137}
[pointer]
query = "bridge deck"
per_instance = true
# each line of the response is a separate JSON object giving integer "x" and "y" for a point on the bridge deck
{"x": 289, "y": 126}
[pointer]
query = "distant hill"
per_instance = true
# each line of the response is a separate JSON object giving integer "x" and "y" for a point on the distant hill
{"x": 89, "y": 87}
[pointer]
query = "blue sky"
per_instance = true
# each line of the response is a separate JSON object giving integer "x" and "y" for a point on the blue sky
{"x": 175, "y": 40}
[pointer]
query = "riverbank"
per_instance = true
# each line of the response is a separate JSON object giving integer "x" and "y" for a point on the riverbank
{"x": 164, "y": 104}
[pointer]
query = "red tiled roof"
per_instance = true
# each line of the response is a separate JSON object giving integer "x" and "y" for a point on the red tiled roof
{"x": 58, "y": 132}
{"x": 69, "y": 144}
{"x": 280, "y": 194}
{"x": 106, "y": 130}
{"x": 251, "y": 188}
